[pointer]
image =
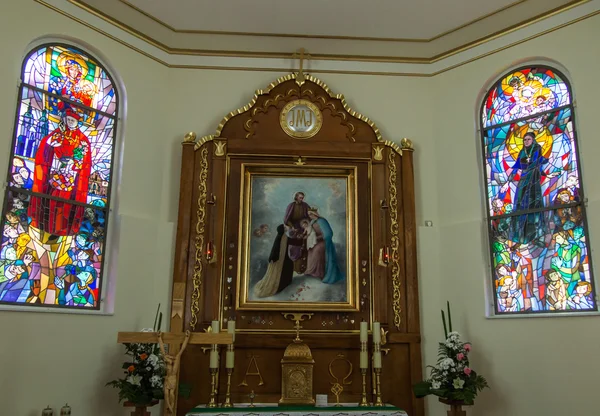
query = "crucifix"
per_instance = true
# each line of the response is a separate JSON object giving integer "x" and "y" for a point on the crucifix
{"x": 297, "y": 317}
{"x": 174, "y": 340}
{"x": 300, "y": 54}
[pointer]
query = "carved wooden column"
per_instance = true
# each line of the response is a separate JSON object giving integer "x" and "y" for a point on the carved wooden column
{"x": 182, "y": 242}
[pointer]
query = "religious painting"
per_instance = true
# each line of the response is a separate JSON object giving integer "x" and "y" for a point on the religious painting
{"x": 57, "y": 202}
{"x": 298, "y": 238}
{"x": 539, "y": 236}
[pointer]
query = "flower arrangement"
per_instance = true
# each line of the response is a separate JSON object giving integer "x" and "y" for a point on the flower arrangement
{"x": 452, "y": 378}
{"x": 144, "y": 372}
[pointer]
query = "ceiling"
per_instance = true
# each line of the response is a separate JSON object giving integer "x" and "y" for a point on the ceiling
{"x": 408, "y": 19}
{"x": 370, "y": 36}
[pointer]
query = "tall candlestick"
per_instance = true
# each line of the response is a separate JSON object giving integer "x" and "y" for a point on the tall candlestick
{"x": 376, "y": 332}
{"x": 231, "y": 328}
{"x": 228, "y": 392}
{"x": 364, "y": 331}
{"x": 216, "y": 328}
{"x": 378, "y": 401}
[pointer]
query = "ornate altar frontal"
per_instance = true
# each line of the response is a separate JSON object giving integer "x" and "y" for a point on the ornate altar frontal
{"x": 297, "y": 206}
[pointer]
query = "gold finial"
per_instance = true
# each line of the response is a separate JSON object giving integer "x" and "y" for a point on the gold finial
{"x": 406, "y": 144}
{"x": 301, "y": 54}
{"x": 300, "y": 162}
{"x": 189, "y": 137}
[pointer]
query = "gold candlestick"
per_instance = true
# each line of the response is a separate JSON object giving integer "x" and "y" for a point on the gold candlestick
{"x": 378, "y": 402}
{"x": 228, "y": 393}
{"x": 213, "y": 388}
{"x": 363, "y": 400}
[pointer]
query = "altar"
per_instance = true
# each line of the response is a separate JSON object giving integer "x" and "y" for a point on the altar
{"x": 296, "y": 218}
{"x": 265, "y": 410}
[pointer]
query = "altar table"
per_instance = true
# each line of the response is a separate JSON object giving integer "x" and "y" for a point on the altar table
{"x": 274, "y": 410}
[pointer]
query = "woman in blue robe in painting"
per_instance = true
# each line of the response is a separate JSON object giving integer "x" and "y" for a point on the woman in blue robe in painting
{"x": 322, "y": 258}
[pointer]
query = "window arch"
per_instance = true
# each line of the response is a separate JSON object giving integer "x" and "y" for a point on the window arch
{"x": 538, "y": 232}
{"x": 57, "y": 203}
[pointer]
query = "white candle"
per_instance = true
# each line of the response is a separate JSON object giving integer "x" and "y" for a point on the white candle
{"x": 231, "y": 328}
{"x": 229, "y": 359}
{"x": 377, "y": 359}
{"x": 376, "y": 332}
{"x": 364, "y": 331}
{"x": 214, "y": 359}
{"x": 364, "y": 359}
{"x": 216, "y": 327}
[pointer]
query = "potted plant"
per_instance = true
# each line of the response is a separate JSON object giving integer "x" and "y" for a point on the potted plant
{"x": 452, "y": 379}
{"x": 142, "y": 383}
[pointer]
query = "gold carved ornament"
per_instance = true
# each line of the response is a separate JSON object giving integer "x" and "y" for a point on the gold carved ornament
{"x": 337, "y": 387}
{"x": 300, "y": 79}
{"x": 394, "y": 242}
{"x": 322, "y": 103}
{"x": 199, "y": 243}
{"x": 309, "y": 125}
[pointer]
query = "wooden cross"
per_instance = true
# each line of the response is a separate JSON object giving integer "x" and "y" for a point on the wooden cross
{"x": 299, "y": 54}
{"x": 174, "y": 340}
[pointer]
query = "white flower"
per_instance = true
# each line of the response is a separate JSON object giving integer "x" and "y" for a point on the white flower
{"x": 458, "y": 383}
{"x": 436, "y": 385}
{"x": 153, "y": 360}
{"x": 445, "y": 373}
{"x": 134, "y": 380}
{"x": 446, "y": 363}
{"x": 156, "y": 381}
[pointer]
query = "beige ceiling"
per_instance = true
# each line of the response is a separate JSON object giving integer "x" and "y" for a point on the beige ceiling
{"x": 359, "y": 30}
{"x": 421, "y": 19}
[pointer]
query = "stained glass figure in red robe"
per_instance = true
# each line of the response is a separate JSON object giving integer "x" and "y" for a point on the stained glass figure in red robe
{"x": 62, "y": 169}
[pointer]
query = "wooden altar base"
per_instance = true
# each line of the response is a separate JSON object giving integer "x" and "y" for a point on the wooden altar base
{"x": 388, "y": 410}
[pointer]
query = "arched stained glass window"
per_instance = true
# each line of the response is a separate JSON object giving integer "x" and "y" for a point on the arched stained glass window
{"x": 56, "y": 205}
{"x": 538, "y": 231}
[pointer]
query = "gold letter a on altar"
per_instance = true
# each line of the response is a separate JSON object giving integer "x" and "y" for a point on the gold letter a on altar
{"x": 254, "y": 373}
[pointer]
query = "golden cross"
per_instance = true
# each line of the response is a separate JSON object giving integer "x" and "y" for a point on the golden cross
{"x": 300, "y": 54}
{"x": 297, "y": 327}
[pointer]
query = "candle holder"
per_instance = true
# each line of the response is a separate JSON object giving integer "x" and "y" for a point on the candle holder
{"x": 228, "y": 393}
{"x": 363, "y": 400}
{"x": 213, "y": 388}
{"x": 378, "y": 402}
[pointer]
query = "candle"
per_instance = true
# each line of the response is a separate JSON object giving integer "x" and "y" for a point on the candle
{"x": 364, "y": 331}
{"x": 214, "y": 359}
{"x": 229, "y": 359}
{"x": 377, "y": 359}
{"x": 364, "y": 359}
{"x": 231, "y": 328}
{"x": 216, "y": 327}
{"x": 376, "y": 332}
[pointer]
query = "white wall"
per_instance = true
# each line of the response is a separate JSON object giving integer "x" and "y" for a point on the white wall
{"x": 52, "y": 358}
{"x": 48, "y": 358}
{"x": 536, "y": 366}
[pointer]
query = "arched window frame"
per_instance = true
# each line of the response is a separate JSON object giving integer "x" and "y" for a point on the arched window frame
{"x": 107, "y": 288}
{"x": 492, "y": 298}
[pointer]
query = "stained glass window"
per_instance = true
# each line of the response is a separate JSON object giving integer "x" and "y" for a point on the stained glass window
{"x": 536, "y": 213}
{"x": 56, "y": 205}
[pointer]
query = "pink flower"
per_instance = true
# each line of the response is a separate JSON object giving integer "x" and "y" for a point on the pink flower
{"x": 467, "y": 371}
{"x": 467, "y": 347}
{"x": 460, "y": 356}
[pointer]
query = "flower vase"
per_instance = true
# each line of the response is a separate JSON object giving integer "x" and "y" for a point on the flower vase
{"x": 455, "y": 407}
{"x": 140, "y": 409}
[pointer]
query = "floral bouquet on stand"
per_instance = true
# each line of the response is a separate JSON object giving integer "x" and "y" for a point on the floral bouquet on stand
{"x": 144, "y": 372}
{"x": 452, "y": 378}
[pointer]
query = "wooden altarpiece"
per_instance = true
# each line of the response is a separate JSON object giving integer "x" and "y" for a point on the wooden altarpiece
{"x": 209, "y": 250}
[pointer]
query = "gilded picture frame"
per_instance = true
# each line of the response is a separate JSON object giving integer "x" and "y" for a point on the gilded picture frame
{"x": 298, "y": 238}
